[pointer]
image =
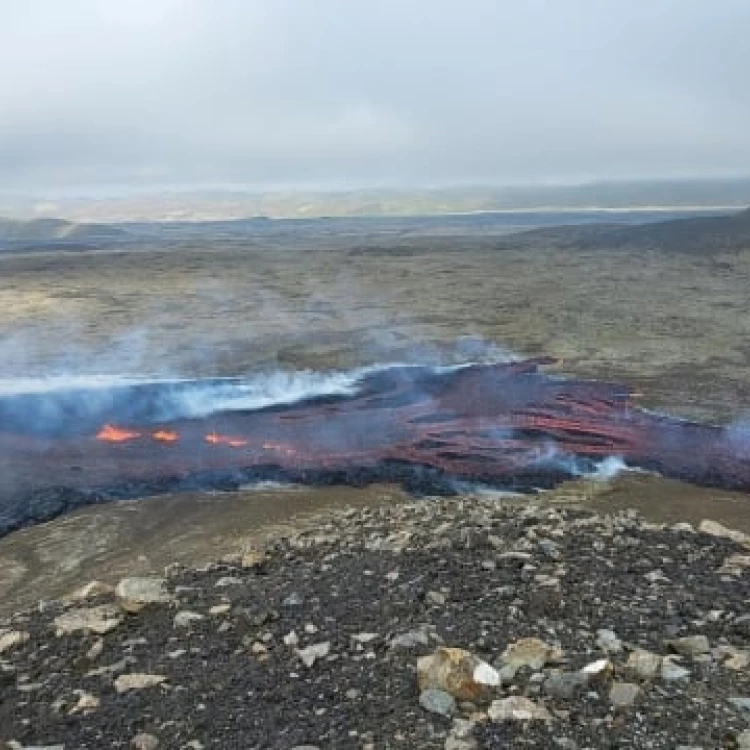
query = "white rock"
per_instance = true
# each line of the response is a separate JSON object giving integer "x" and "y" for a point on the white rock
{"x": 228, "y": 581}
{"x": 133, "y": 594}
{"x": 96, "y": 650}
{"x": 11, "y": 638}
{"x": 186, "y": 618}
{"x": 101, "y": 619}
{"x": 137, "y": 681}
{"x": 253, "y": 558}
{"x": 410, "y": 639}
{"x": 623, "y": 694}
{"x": 291, "y": 639}
{"x": 716, "y": 529}
{"x": 220, "y": 609}
{"x": 144, "y": 741}
{"x": 608, "y": 641}
{"x": 684, "y": 527}
{"x": 312, "y": 653}
{"x": 691, "y": 645}
{"x": 455, "y": 670}
{"x": 364, "y": 637}
{"x": 530, "y": 652}
{"x": 89, "y": 591}
{"x": 86, "y": 702}
{"x": 656, "y": 576}
{"x": 643, "y": 664}
{"x": 517, "y": 708}
{"x": 671, "y": 671}
{"x": 598, "y": 669}
{"x": 484, "y": 674}
{"x": 735, "y": 565}
{"x": 736, "y": 659}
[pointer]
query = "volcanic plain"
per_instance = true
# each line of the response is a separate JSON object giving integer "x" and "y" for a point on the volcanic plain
{"x": 636, "y": 305}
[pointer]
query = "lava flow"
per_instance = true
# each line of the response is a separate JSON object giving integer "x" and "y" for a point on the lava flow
{"x": 112, "y": 434}
{"x": 509, "y": 425}
{"x": 166, "y": 436}
{"x": 233, "y": 442}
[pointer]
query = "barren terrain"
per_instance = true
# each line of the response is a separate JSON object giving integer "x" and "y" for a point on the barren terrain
{"x": 674, "y": 324}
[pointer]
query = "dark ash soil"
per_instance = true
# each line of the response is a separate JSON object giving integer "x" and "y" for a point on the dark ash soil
{"x": 366, "y": 576}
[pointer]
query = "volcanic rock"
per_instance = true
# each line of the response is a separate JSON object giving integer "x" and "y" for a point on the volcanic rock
{"x": 643, "y": 664}
{"x": 598, "y": 670}
{"x": 458, "y": 672}
{"x": 137, "y": 681}
{"x": 220, "y": 609}
{"x": 410, "y": 640}
{"x": 86, "y": 702}
{"x": 11, "y": 638}
{"x": 96, "y": 650}
{"x": 608, "y": 641}
{"x": 565, "y": 685}
{"x": 312, "y": 653}
{"x": 623, "y": 694}
{"x": 517, "y": 708}
{"x": 101, "y": 619}
{"x": 690, "y": 645}
{"x": 253, "y": 558}
{"x": 461, "y": 736}
{"x": 671, "y": 671}
{"x": 530, "y": 652}
{"x": 236, "y": 688}
{"x": 185, "y": 618}
{"x": 735, "y": 658}
{"x": 133, "y": 594}
{"x": 90, "y": 591}
{"x": 144, "y": 741}
{"x": 735, "y": 565}
{"x": 716, "y": 529}
{"x": 437, "y": 702}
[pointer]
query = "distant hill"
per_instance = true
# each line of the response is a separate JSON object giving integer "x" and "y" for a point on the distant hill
{"x": 701, "y": 235}
{"x": 220, "y": 205}
{"x": 50, "y": 230}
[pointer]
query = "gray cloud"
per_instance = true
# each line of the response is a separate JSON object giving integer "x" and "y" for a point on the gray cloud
{"x": 342, "y": 93}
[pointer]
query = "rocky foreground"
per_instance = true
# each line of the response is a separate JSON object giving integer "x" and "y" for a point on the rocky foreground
{"x": 453, "y": 624}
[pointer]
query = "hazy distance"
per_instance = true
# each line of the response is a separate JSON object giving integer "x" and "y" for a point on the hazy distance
{"x": 105, "y": 97}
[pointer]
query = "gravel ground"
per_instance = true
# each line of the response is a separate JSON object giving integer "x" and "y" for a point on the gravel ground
{"x": 582, "y": 631}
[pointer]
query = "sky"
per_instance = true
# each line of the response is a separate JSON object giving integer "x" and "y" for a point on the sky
{"x": 370, "y": 93}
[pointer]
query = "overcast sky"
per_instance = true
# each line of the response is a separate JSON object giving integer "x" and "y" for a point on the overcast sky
{"x": 349, "y": 93}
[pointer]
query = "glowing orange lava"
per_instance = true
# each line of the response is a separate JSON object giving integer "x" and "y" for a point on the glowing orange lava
{"x": 215, "y": 439}
{"x": 113, "y": 434}
{"x": 165, "y": 436}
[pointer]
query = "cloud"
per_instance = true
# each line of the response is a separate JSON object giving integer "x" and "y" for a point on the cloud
{"x": 334, "y": 92}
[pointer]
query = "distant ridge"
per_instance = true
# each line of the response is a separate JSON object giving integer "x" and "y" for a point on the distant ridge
{"x": 47, "y": 230}
{"x": 705, "y": 234}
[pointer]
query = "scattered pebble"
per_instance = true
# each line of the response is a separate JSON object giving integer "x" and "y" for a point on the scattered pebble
{"x": 437, "y": 702}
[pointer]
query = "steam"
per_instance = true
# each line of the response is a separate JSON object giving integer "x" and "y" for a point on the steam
{"x": 610, "y": 468}
{"x": 738, "y": 435}
{"x": 64, "y": 404}
{"x": 260, "y": 391}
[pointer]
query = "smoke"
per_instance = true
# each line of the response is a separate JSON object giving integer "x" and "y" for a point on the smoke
{"x": 610, "y": 468}
{"x": 77, "y": 404}
{"x": 603, "y": 470}
{"x": 738, "y": 435}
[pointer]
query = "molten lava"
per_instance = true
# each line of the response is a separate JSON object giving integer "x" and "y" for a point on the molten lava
{"x": 166, "y": 436}
{"x": 213, "y": 438}
{"x": 112, "y": 434}
{"x": 509, "y": 425}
